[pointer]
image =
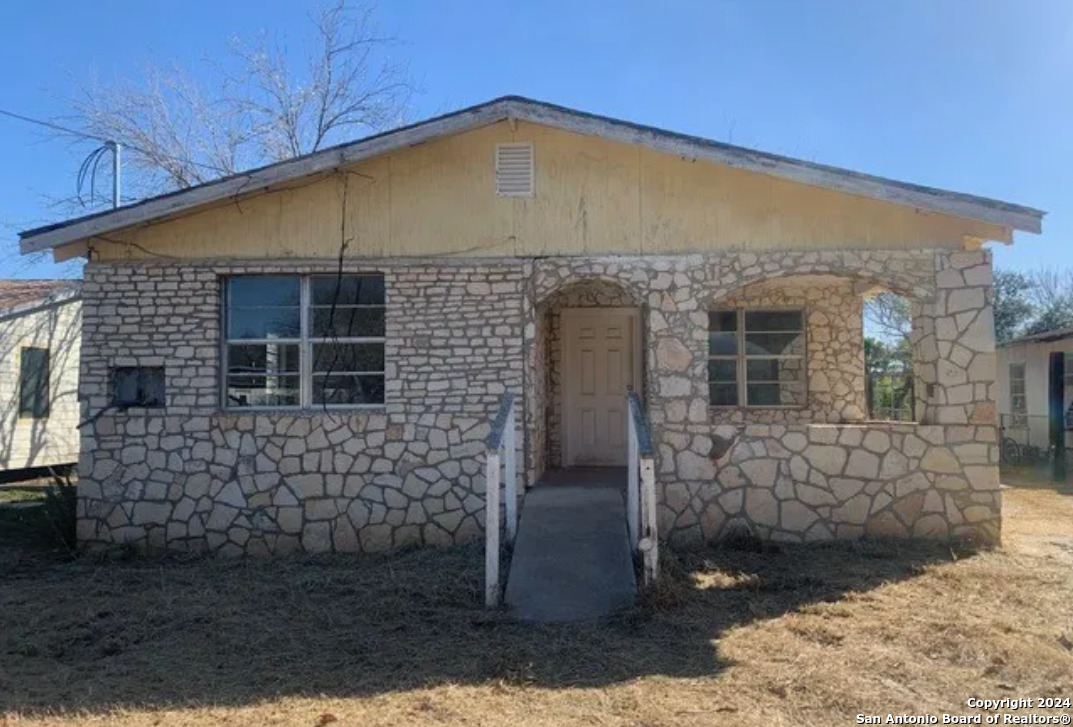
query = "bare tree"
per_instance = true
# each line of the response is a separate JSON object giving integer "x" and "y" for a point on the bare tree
{"x": 1050, "y": 287}
{"x": 178, "y": 132}
{"x": 889, "y": 315}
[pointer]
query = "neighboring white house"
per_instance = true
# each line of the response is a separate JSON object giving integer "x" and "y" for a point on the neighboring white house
{"x": 1023, "y": 380}
{"x": 40, "y": 341}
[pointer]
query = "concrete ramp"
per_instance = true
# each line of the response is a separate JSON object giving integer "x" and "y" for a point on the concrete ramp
{"x": 572, "y": 557}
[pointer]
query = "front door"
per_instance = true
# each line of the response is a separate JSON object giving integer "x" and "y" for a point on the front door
{"x": 601, "y": 360}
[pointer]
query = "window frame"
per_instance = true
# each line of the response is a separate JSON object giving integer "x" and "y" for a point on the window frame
{"x": 35, "y": 414}
{"x": 741, "y": 358}
{"x": 305, "y": 342}
{"x": 1018, "y": 416}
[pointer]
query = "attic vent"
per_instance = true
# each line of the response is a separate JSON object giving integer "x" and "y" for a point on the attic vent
{"x": 514, "y": 170}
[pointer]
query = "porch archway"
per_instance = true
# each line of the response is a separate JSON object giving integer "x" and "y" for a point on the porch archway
{"x": 610, "y": 310}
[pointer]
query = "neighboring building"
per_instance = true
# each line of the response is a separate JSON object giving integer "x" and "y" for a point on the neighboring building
{"x": 522, "y": 247}
{"x": 1024, "y": 386}
{"x": 40, "y": 338}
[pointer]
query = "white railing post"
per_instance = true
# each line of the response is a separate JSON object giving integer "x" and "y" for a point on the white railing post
{"x": 641, "y": 490}
{"x": 650, "y": 543}
{"x": 632, "y": 492}
{"x": 491, "y": 530}
{"x": 511, "y": 476}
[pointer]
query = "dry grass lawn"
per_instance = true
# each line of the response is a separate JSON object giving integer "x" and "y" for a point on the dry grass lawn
{"x": 794, "y": 636}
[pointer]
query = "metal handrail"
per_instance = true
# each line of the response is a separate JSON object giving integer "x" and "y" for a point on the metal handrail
{"x": 499, "y": 447}
{"x": 494, "y": 440}
{"x": 641, "y": 522}
{"x": 640, "y": 422}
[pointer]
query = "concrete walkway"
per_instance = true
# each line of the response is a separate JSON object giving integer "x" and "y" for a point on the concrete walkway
{"x": 572, "y": 558}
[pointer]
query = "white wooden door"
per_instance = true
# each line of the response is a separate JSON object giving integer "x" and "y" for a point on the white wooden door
{"x": 601, "y": 360}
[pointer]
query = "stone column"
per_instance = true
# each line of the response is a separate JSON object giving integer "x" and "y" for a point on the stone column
{"x": 954, "y": 343}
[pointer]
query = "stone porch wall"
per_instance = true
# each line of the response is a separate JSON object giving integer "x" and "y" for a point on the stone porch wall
{"x": 823, "y": 481}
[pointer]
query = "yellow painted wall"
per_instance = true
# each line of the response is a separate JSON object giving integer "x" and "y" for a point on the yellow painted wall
{"x": 592, "y": 197}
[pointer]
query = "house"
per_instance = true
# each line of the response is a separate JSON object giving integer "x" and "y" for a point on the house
{"x": 309, "y": 355}
{"x": 1024, "y": 387}
{"x": 40, "y": 338}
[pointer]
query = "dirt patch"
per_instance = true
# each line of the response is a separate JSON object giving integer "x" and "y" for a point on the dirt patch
{"x": 761, "y": 636}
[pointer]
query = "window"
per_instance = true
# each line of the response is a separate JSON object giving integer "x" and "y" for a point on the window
{"x": 33, "y": 383}
{"x": 303, "y": 341}
{"x": 756, "y": 358}
{"x": 1018, "y": 404}
{"x": 141, "y": 386}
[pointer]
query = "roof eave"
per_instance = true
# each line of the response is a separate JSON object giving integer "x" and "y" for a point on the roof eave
{"x": 1013, "y": 217}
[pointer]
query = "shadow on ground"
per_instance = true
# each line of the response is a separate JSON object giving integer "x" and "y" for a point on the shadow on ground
{"x": 94, "y": 634}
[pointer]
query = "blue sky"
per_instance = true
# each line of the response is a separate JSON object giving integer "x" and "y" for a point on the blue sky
{"x": 969, "y": 95}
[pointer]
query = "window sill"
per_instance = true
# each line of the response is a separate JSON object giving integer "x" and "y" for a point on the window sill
{"x": 749, "y": 409}
{"x": 299, "y": 411}
{"x": 138, "y": 411}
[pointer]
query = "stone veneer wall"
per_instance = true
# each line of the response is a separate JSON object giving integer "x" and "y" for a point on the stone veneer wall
{"x": 459, "y": 334}
{"x": 195, "y": 478}
{"x": 701, "y": 448}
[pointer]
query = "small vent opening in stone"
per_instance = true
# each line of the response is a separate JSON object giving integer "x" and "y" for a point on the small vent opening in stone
{"x": 514, "y": 170}
{"x": 138, "y": 386}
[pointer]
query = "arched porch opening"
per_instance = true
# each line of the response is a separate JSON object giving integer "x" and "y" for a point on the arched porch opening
{"x": 587, "y": 349}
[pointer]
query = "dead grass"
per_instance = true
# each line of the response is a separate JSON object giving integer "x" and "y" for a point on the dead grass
{"x": 736, "y": 636}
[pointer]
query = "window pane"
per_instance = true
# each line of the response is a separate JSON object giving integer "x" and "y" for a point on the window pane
{"x": 775, "y": 344}
{"x": 774, "y": 369}
{"x": 125, "y": 386}
{"x": 245, "y": 291}
{"x": 347, "y": 290}
{"x": 348, "y": 389}
{"x": 722, "y": 369}
{"x": 152, "y": 386}
{"x": 789, "y": 394}
{"x": 722, "y": 344}
{"x": 271, "y": 390}
{"x": 263, "y": 306}
{"x": 347, "y": 322}
{"x": 773, "y": 320}
{"x": 33, "y": 383}
{"x": 723, "y": 320}
{"x": 263, "y": 323}
{"x": 723, "y": 394}
{"x": 347, "y": 357}
{"x": 262, "y": 358}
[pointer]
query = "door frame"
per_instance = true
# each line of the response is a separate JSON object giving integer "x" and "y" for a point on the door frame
{"x": 568, "y": 383}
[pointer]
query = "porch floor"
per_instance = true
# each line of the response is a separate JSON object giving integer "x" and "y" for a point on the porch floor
{"x": 572, "y": 557}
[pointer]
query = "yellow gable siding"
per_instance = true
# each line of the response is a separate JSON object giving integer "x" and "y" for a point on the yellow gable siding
{"x": 591, "y": 197}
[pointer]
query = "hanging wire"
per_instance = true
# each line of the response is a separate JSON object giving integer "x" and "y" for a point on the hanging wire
{"x": 89, "y": 168}
{"x": 84, "y": 135}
